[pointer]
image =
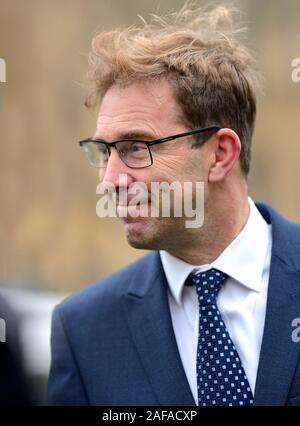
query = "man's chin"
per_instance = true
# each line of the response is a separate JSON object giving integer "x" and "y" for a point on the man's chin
{"x": 137, "y": 232}
{"x": 134, "y": 229}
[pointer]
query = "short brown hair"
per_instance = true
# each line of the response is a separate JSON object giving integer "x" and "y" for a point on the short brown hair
{"x": 211, "y": 72}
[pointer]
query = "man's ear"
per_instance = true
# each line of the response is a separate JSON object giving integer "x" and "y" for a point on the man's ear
{"x": 227, "y": 148}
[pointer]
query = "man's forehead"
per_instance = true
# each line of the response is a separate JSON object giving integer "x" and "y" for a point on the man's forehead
{"x": 155, "y": 92}
{"x": 143, "y": 105}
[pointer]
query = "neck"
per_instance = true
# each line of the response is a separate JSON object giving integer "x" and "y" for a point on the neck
{"x": 221, "y": 226}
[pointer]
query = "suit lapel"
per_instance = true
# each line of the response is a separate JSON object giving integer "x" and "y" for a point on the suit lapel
{"x": 148, "y": 315}
{"x": 279, "y": 354}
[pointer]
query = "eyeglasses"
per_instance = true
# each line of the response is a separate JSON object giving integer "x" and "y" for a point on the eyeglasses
{"x": 136, "y": 154}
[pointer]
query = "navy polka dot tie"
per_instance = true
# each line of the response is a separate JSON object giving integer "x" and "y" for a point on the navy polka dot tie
{"x": 221, "y": 378}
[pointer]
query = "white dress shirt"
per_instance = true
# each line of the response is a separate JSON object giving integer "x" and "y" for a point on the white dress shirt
{"x": 241, "y": 301}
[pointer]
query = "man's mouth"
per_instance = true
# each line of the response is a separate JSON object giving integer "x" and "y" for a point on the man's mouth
{"x": 133, "y": 212}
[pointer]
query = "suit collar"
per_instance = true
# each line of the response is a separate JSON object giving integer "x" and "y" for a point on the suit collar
{"x": 279, "y": 354}
{"x": 285, "y": 235}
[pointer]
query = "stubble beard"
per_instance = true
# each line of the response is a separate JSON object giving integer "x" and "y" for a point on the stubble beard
{"x": 154, "y": 233}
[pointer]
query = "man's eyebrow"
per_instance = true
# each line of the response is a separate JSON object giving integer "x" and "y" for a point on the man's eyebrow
{"x": 136, "y": 134}
{"x": 132, "y": 135}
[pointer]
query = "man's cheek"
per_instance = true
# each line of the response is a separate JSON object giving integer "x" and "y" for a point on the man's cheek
{"x": 166, "y": 169}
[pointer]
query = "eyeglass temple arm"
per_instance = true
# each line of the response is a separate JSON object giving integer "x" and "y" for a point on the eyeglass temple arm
{"x": 180, "y": 135}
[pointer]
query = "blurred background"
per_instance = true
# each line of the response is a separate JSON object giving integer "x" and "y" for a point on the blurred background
{"x": 52, "y": 241}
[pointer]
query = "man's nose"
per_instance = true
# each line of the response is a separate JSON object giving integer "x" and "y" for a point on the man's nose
{"x": 114, "y": 168}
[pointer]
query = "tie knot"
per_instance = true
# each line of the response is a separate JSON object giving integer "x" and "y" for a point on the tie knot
{"x": 207, "y": 285}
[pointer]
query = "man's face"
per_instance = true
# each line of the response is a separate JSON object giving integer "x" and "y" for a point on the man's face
{"x": 149, "y": 111}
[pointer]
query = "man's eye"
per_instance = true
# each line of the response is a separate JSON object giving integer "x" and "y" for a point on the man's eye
{"x": 138, "y": 147}
{"x": 101, "y": 149}
{"x": 139, "y": 150}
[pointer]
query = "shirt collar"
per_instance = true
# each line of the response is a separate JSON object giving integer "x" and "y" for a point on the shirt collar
{"x": 243, "y": 260}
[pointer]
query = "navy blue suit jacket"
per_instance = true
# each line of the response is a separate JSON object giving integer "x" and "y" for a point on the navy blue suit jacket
{"x": 113, "y": 343}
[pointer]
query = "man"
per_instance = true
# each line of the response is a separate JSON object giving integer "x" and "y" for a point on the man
{"x": 206, "y": 317}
